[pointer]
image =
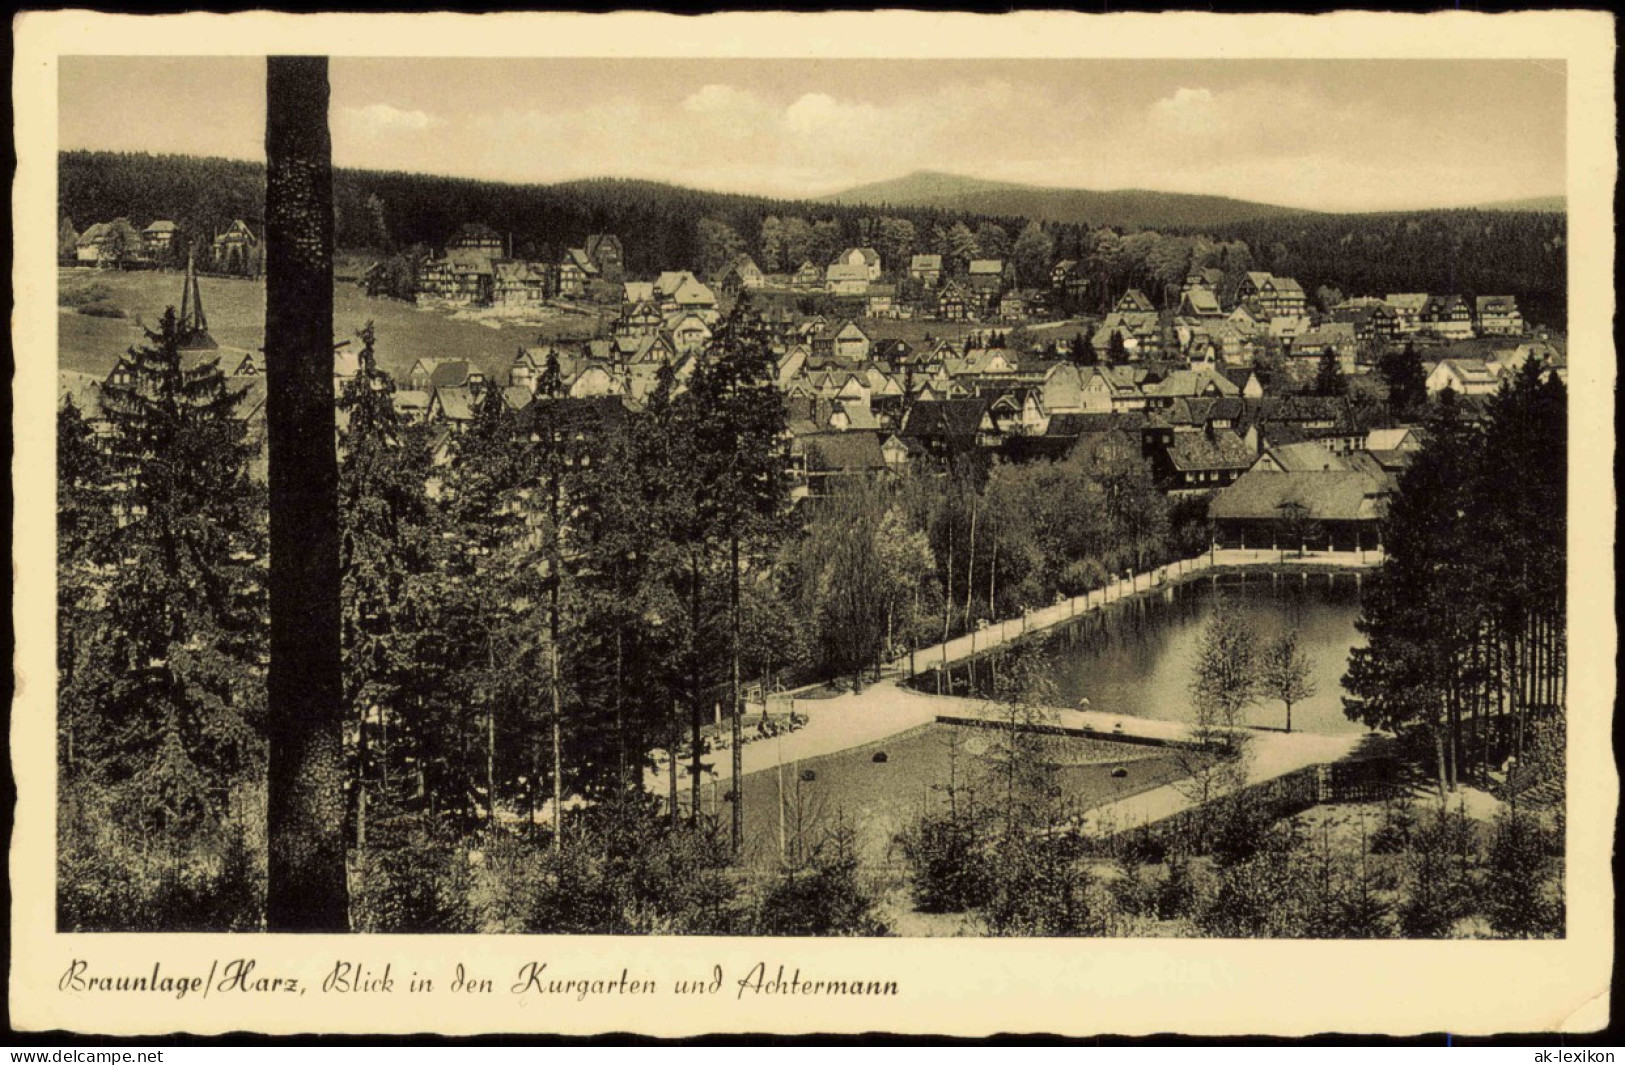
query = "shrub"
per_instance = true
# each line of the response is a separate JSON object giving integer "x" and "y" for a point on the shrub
{"x": 624, "y": 871}
{"x": 413, "y": 877}
{"x": 1243, "y": 827}
{"x": 1267, "y": 895}
{"x": 1438, "y": 885}
{"x": 1133, "y": 892}
{"x": 102, "y": 309}
{"x": 1393, "y": 835}
{"x": 1178, "y": 894}
{"x": 1520, "y": 897}
{"x": 1039, "y": 890}
{"x": 83, "y": 293}
{"x": 948, "y": 864}
{"x": 823, "y": 897}
{"x": 117, "y": 877}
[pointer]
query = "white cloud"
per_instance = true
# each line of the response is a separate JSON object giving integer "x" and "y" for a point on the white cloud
{"x": 381, "y": 120}
{"x": 711, "y": 99}
{"x": 1190, "y": 110}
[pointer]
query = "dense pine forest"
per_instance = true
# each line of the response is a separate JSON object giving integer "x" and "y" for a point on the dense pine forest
{"x": 1471, "y": 252}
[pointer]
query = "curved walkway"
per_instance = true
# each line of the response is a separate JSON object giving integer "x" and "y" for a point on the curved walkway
{"x": 885, "y": 708}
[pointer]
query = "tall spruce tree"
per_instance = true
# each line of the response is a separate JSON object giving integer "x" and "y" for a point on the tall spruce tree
{"x": 169, "y": 669}
{"x": 740, "y": 439}
{"x": 1424, "y": 606}
{"x": 387, "y": 555}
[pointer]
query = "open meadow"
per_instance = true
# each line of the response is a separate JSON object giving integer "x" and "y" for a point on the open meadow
{"x": 235, "y": 308}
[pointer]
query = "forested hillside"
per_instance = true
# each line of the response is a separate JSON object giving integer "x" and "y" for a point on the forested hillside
{"x": 1471, "y": 252}
{"x": 660, "y": 224}
{"x": 1122, "y": 208}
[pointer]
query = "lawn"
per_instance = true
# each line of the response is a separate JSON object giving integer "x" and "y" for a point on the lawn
{"x": 236, "y": 314}
{"x": 877, "y": 799}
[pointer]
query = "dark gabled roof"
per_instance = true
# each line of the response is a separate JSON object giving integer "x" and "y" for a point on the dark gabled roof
{"x": 584, "y": 413}
{"x": 449, "y": 373}
{"x": 945, "y": 418}
{"x": 848, "y": 452}
{"x": 1294, "y": 408}
{"x": 1334, "y": 495}
{"x": 1238, "y": 375}
{"x": 1194, "y": 451}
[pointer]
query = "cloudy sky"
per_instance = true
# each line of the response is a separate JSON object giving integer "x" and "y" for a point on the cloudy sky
{"x": 1330, "y": 135}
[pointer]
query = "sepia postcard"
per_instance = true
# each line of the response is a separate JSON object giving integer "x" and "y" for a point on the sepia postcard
{"x": 787, "y": 523}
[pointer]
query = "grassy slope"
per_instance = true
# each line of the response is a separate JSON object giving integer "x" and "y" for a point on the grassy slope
{"x": 236, "y": 312}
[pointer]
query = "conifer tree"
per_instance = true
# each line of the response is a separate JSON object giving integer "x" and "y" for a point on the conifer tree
{"x": 387, "y": 554}
{"x": 177, "y": 647}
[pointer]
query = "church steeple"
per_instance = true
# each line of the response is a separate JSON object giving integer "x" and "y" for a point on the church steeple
{"x": 194, "y": 325}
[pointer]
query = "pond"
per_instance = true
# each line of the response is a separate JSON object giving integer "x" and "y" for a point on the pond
{"x": 1135, "y": 658}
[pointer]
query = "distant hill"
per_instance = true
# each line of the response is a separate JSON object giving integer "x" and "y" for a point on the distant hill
{"x": 1123, "y": 208}
{"x": 1545, "y": 204}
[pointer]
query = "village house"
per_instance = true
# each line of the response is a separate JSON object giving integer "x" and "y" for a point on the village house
{"x": 1407, "y": 308}
{"x": 1275, "y": 297}
{"x": 984, "y": 281}
{"x": 1013, "y": 306}
{"x": 109, "y": 243}
{"x": 739, "y": 275}
{"x": 1375, "y": 323}
{"x": 1336, "y": 337}
{"x": 1448, "y": 317}
{"x": 1189, "y": 384}
{"x": 639, "y": 319}
{"x": 477, "y": 237}
{"x": 926, "y": 269}
{"x": 462, "y": 277}
{"x": 1141, "y": 333}
{"x": 951, "y": 303}
{"x": 1498, "y": 316}
{"x": 846, "y": 341}
{"x": 1067, "y": 278}
{"x": 575, "y": 270}
{"x": 1201, "y": 460}
{"x": 882, "y": 302}
{"x": 681, "y": 290}
{"x": 945, "y": 429}
{"x": 1303, "y": 456}
{"x": 517, "y": 284}
{"x": 238, "y": 250}
{"x": 830, "y": 459}
{"x": 1466, "y": 377}
{"x": 1393, "y": 449}
{"x": 426, "y": 375}
{"x": 688, "y": 331}
{"x": 458, "y": 406}
{"x": 1134, "y": 302}
{"x": 607, "y": 254}
{"x": 846, "y": 279}
{"x": 807, "y": 276}
{"x": 1245, "y": 380}
{"x": 1288, "y": 328}
{"x": 1069, "y": 389}
{"x": 1200, "y": 303}
{"x": 157, "y": 238}
{"x": 1208, "y": 278}
{"x": 867, "y": 258}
